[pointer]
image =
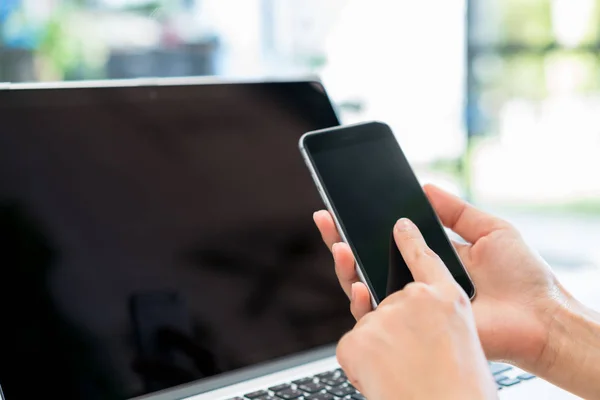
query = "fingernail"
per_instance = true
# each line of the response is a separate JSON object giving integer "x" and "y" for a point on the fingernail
{"x": 404, "y": 225}
{"x": 333, "y": 248}
{"x": 353, "y": 292}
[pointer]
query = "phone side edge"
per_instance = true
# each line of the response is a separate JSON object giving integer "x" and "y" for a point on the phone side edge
{"x": 342, "y": 128}
{"x": 329, "y": 207}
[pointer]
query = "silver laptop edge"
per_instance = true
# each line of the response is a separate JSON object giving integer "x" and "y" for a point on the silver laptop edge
{"x": 181, "y": 81}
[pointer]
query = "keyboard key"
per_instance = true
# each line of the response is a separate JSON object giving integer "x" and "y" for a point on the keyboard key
{"x": 267, "y": 397}
{"x": 320, "y": 396}
{"x": 500, "y": 378}
{"x": 509, "y": 382}
{"x": 279, "y": 388}
{"x": 312, "y": 387}
{"x": 498, "y": 368}
{"x": 289, "y": 394}
{"x": 340, "y": 374}
{"x": 326, "y": 375}
{"x": 333, "y": 381}
{"x": 257, "y": 394}
{"x": 303, "y": 381}
{"x": 236, "y": 398}
{"x": 358, "y": 396}
{"x": 342, "y": 391}
{"x": 525, "y": 377}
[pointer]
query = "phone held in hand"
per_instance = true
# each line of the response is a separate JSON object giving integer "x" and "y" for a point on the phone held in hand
{"x": 367, "y": 184}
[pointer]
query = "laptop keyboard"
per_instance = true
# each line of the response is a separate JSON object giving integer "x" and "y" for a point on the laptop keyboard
{"x": 505, "y": 377}
{"x": 333, "y": 385}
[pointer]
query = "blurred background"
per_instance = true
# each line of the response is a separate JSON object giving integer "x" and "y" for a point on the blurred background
{"x": 497, "y": 100}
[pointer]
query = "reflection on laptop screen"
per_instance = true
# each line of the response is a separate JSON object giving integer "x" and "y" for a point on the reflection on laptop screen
{"x": 154, "y": 237}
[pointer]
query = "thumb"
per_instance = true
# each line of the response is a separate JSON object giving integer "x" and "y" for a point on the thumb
{"x": 469, "y": 222}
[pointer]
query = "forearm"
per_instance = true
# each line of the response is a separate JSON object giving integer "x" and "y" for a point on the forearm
{"x": 571, "y": 358}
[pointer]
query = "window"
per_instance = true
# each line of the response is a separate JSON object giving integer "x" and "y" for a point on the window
{"x": 533, "y": 92}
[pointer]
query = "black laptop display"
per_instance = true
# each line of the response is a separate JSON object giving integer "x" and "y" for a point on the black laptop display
{"x": 156, "y": 236}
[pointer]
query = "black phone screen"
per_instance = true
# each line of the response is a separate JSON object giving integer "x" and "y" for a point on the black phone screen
{"x": 371, "y": 185}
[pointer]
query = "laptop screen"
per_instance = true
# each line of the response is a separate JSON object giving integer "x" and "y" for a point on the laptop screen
{"x": 156, "y": 236}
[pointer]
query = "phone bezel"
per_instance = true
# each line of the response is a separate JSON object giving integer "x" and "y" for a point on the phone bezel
{"x": 350, "y": 134}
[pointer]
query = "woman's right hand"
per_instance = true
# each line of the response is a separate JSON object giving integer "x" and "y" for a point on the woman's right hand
{"x": 517, "y": 293}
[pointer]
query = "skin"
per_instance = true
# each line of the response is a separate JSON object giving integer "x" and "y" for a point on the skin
{"x": 523, "y": 315}
{"x": 428, "y": 318}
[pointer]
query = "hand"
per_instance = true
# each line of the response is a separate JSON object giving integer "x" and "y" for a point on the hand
{"x": 421, "y": 342}
{"x": 517, "y": 293}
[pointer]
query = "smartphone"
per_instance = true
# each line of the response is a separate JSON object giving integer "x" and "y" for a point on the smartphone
{"x": 367, "y": 184}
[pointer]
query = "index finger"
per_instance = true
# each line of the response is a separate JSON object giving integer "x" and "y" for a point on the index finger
{"x": 423, "y": 263}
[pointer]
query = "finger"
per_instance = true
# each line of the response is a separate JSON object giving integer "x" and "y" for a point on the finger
{"x": 361, "y": 300}
{"x": 423, "y": 263}
{"x": 469, "y": 222}
{"x": 344, "y": 266}
{"x": 327, "y": 227}
{"x": 462, "y": 250}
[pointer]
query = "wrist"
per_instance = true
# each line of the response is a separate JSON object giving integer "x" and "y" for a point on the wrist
{"x": 571, "y": 345}
{"x": 552, "y": 313}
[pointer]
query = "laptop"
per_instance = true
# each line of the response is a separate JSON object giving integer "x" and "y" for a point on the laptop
{"x": 157, "y": 243}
